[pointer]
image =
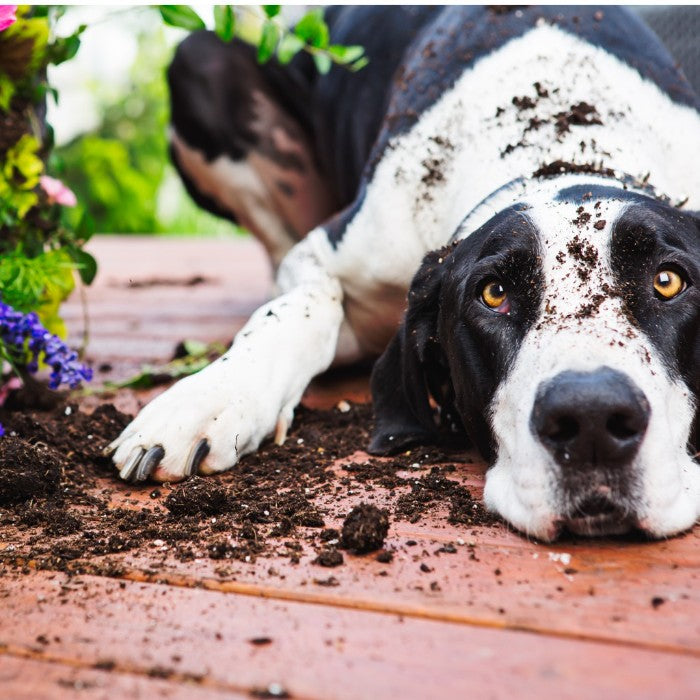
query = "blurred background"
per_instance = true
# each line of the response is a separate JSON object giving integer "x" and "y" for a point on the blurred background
{"x": 111, "y": 121}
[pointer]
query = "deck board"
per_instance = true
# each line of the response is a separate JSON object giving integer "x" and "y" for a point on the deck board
{"x": 314, "y": 650}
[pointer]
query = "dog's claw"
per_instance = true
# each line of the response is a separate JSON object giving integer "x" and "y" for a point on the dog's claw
{"x": 281, "y": 431}
{"x": 130, "y": 466}
{"x": 198, "y": 453}
{"x": 149, "y": 462}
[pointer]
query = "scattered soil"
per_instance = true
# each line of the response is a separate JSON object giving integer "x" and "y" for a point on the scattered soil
{"x": 581, "y": 114}
{"x": 198, "y": 495}
{"x": 365, "y": 529}
{"x": 63, "y": 507}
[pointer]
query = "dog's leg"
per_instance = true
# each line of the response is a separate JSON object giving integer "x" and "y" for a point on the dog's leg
{"x": 208, "y": 421}
{"x": 242, "y": 138}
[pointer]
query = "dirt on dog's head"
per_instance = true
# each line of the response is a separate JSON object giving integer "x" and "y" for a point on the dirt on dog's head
{"x": 562, "y": 339}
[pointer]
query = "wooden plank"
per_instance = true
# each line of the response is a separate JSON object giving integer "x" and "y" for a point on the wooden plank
{"x": 26, "y": 678}
{"x": 640, "y": 593}
{"x": 143, "y": 300}
{"x": 314, "y": 651}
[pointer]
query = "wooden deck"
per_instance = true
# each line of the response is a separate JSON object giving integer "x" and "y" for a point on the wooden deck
{"x": 499, "y": 617}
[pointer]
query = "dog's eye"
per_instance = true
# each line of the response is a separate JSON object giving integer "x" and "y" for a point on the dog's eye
{"x": 668, "y": 284}
{"x": 494, "y": 296}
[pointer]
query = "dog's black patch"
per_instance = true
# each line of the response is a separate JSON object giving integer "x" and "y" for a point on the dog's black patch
{"x": 580, "y": 194}
{"x": 648, "y": 237}
{"x": 451, "y": 347}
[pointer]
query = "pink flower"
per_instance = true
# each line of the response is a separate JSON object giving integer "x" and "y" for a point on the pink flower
{"x": 57, "y": 192}
{"x": 7, "y": 16}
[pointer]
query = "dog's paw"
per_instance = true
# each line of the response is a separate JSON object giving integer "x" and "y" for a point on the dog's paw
{"x": 202, "y": 424}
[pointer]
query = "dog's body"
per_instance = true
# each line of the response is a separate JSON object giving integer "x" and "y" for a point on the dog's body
{"x": 542, "y": 158}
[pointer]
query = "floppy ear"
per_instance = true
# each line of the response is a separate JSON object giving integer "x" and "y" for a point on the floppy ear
{"x": 412, "y": 370}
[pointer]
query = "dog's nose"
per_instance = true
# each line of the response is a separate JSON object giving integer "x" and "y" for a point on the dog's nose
{"x": 591, "y": 418}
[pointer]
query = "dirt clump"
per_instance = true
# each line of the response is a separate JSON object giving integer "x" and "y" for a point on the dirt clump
{"x": 580, "y": 114}
{"x": 365, "y": 529}
{"x": 329, "y": 557}
{"x": 27, "y": 471}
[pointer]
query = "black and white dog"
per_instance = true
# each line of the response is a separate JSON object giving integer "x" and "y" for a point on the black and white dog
{"x": 534, "y": 171}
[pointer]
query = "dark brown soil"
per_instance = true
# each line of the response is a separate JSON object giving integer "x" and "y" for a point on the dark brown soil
{"x": 198, "y": 496}
{"x": 27, "y": 471}
{"x": 365, "y": 529}
{"x": 581, "y": 114}
{"x": 63, "y": 507}
{"x": 329, "y": 556}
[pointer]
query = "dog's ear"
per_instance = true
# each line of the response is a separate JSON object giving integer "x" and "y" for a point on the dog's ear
{"x": 412, "y": 369}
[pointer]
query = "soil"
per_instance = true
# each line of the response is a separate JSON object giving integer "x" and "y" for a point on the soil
{"x": 62, "y": 506}
{"x": 365, "y": 529}
{"x": 581, "y": 114}
{"x": 560, "y": 167}
{"x": 27, "y": 471}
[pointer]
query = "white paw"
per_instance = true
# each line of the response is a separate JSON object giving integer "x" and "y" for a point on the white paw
{"x": 203, "y": 424}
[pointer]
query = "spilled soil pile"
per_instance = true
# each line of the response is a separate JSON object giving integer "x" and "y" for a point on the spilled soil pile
{"x": 62, "y": 506}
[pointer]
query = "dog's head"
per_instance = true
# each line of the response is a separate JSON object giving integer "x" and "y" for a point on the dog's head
{"x": 563, "y": 339}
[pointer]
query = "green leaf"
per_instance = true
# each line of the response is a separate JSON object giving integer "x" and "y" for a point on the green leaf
{"x": 87, "y": 265}
{"x": 224, "y": 22}
{"x": 346, "y": 54}
{"x": 289, "y": 47}
{"x": 182, "y": 16}
{"x": 323, "y": 62}
{"x": 63, "y": 49}
{"x": 268, "y": 41}
{"x": 7, "y": 91}
{"x": 312, "y": 29}
{"x": 271, "y": 10}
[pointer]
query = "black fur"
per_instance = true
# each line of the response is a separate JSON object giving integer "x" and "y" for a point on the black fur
{"x": 451, "y": 346}
{"x": 648, "y": 237}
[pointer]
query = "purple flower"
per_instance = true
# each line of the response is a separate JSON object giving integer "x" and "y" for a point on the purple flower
{"x": 23, "y": 333}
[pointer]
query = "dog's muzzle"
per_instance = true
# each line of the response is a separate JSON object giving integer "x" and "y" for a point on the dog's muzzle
{"x": 593, "y": 424}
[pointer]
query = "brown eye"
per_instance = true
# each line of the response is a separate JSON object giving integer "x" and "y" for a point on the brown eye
{"x": 494, "y": 295}
{"x": 668, "y": 284}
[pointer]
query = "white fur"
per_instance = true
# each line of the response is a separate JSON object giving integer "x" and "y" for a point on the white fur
{"x": 402, "y": 218}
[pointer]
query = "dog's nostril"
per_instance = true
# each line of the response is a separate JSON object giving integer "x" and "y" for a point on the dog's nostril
{"x": 622, "y": 426}
{"x": 563, "y": 429}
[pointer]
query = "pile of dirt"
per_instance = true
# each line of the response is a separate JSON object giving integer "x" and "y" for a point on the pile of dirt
{"x": 27, "y": 471}
{"x": 62, "y": 506}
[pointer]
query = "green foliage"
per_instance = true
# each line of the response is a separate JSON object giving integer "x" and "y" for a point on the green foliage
{"x": 117, "y": 170}
{"x": 274, "y": 38}
{"x": 38, "y": 250}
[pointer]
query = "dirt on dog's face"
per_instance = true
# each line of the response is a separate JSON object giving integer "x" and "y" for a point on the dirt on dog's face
{"x": 563, "y": 338}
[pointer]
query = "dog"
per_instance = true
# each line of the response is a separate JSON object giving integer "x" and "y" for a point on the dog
{"x": 516, "y": 191}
